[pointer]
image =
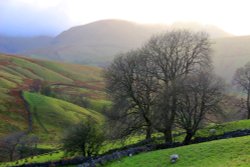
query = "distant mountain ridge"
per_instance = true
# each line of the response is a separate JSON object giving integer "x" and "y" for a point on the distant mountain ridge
{"x": 14, "y": 45}
{"x": 97, "y": 43}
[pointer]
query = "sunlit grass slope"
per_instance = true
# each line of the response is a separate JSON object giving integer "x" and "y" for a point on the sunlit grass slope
{"x": 51, "y": 116}
{"x": 225, "y": 127}
{"x": 221, "y": 153}
{"x": 18, "y": 74}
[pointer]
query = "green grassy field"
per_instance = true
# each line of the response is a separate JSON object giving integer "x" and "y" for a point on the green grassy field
{"x": 37, "y": 159}
{"x": 18, "y": 74}
{"x": 221, "y": 153}
{"x": 225, "y": 127}
{"x": 51, "y": 116}
{"x": 205, "y": 132}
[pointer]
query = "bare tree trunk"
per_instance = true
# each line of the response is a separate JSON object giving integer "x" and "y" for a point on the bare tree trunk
{"x": 168, "y": 130}
{"x": 11, "y": 157}
{"x": 248, "y": 104}
{"x": 168, "y": 135}
{"x": 148, "y": 132}
{"x": 12, "y": 151}
{"x": 148, "y": 128}
{"x": 188, "y": 137}
{"x": 242, "y": 80}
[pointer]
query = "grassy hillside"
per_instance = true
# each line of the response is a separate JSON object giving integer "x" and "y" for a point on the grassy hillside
{"x": 224, "y": 127}
{"x": 228, "y": 152}
{"x": 19, "y": 74}
{"x": 51, "y": 116}
{"x": 221, "y": 128}
{"x": 98, "y": 42}
{"x": 90, "y": 45}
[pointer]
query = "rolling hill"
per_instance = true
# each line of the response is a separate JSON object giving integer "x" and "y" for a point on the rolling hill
{"x": 22, "y": 103}
{"x": 51, "y": 116}
{"x": 97, "y": 43}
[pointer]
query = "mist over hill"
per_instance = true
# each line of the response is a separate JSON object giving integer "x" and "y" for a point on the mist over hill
{"x": 98, "y": 42}
{"x": 16, "y": 45}
{"x": 229, "y": 54}
{"x": 95, "y": 43}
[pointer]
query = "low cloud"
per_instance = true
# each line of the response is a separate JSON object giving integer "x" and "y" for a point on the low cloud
{"x": 20, "y": 18}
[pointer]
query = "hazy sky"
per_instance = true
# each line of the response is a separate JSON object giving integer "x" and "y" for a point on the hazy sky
{"x": 50, "y": 17}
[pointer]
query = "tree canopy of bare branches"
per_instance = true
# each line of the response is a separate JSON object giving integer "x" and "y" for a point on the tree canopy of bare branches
{"x": 200, "y": 95}
{"x": 146, "y": 85}
{"x": 174, "y": 55}
{"x": 133, "y": 89}
{"x": 242, "y": 80}
{"x": 17, "y": 145}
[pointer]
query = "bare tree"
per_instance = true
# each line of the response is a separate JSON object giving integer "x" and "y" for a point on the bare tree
{"x": 175, "y": 54}
{"x": 200, "y": 95}
{"x": 36, "y": 85}
{"x": 133, "y": 91}
{"x": 144, "y": 85}
{"x": 27, "y": 146}
{"x": 9, "y": 144}
{"x": 84, "y": 138}
{"x": 242, "y": 80}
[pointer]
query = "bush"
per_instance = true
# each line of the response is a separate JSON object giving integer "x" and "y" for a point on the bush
{"x": 83, "y": 138}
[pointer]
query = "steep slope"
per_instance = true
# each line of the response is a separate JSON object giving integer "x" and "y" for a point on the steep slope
{"x": 19, "y": 74}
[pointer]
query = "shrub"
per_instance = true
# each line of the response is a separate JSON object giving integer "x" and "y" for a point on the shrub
{"x": 83, "y": 138}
